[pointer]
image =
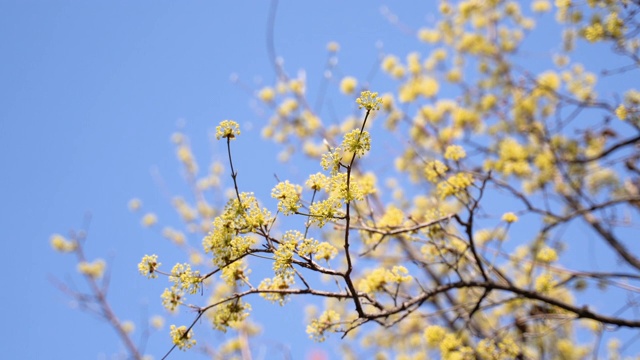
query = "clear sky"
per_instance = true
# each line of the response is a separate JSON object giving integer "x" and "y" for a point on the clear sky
{"x": 91, "y": 92}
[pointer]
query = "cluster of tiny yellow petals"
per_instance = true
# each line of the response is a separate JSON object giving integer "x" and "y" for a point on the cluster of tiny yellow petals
{"x": 229, "y": 314}
{"x": 93, "y": 269}
{"x": 228, "y": 129}
{"x": 128, "y": 326}
{"x": 377, "y": 279}
{"x": 148, "y": 266}
{"x": 434, "y": 335}
{"x": 149, "y": 220}
{"x": 369, "y": 100}
{"x": 181, "y": 338}
{"x": 135, "y": 204}
{"x": 509, "y": 217}
{"x": 434, "y": 170}
{"x": 544, "y": 283}
{"x": 267, "y": 94}
{"x": 325, "y": 211}
{"x": 454, "y": 185}
{"x": 454, "y": 152}
{"x": 59, "y": 243}
{"x": 621, "y": 112}
{"x": 428, "y": 35}
{"x": 318, "y": 327}
{"x": 283, "y": 255}
{"x": 157, "y": 322}
{"x": 278, "y": 283}
{"x": 331, "y": 160}
{"x": 357, "y": 142}
{"x": 288, "y": 196}
{"x": 547, "y": 255}
{"x": 316, "y": 181}
{"x": 172, "y": 298}
{"x": 234, "y": 273}
{"x": 185, "y": 278}
{"x": 348, "y": 85}
{"x": 540, "y": 6}
{"x": 325, "y": 251}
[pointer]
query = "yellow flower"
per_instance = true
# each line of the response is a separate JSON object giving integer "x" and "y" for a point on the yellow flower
{"x": 148, "y": 266}
{"x": 547, "y": 255}
{"x": 369, "y": 100}
{"x": 434, "y": 335}
{"x": 541, "y": 6}
{"x": 227, "y": 129}
{"x": 348, "y": 85}
{"x": 149, "y": 220}
{"x": 157, "y": 322}
{"x": 181, "y": 338}
{"x": 333, "y": 46}
{"x": 94, "y": 269}
{"x": 128, "y": 326}
{"x": 59, "y": 243}
{"x": 509, "y": 217}
{"x": 454, "y": 152}
{"x": 267, "y": 94}
{"x": 135, "y": 204}
{"x": 428, "y": 35}
{"x": 621, "y": 112}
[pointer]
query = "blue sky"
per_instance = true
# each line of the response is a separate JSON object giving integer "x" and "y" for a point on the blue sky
{"x": 91, "y": 92}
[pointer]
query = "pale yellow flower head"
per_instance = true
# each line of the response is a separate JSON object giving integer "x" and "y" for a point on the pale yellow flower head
{"x": 509, "y": 217}
{"x": 227, "y": 129}
{"x": 369, "y": 100}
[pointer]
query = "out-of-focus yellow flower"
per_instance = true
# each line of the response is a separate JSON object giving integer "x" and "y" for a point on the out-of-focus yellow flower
{"x": 509, "y": 217}
{"x": 333, "y": 46}
{"x": 149, "y": 219}
{"x": 348, "y": 85}
{"x": 59, "y": 243}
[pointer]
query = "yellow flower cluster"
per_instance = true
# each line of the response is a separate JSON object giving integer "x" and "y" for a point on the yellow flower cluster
{"x": 369, "y": 100}
{"x": 376, "y": 280}
{"x": 184, "y": 154}
{"x": 93, "y": 269}
{"x": 509, "y": 217}
{"x": 540, "y": 6}
{"x": 325, "y": 211}
{"x": 148, "y": 266}
{"x": 187, "y": 280}
{"x": 229, "y": 314}
{"x": 328, "y": 321}
{"x": 288, "y": 196}
{"x": 181, "y": 338}
{"x": 348, "y": 85}
{"x": 424, "y": 86}
{"x": 454, "y": 185}
{"x": 435, "y": 170}
{"x": 226, "y": 241}
{"x": 454, "y": 152}
{"x": 357, "y": 142}
{"x": 60, "y": 244}
{"x": 172, "y": 298}
{"x": 621, "y": 112}
{"x": 149, "y": 219}
{"x": 277, "y": 283}
{"x": 434, "y": 334}
{"x": 267, "y": 94}
{"x": 227, "y": 129}
{"x": 545, "y": 283}
{"x": 547, "y": 255}
{"x": 235, "y": 273}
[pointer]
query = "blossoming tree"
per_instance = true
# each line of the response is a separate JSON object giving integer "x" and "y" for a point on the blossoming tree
{"x": 414, "y": 262}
